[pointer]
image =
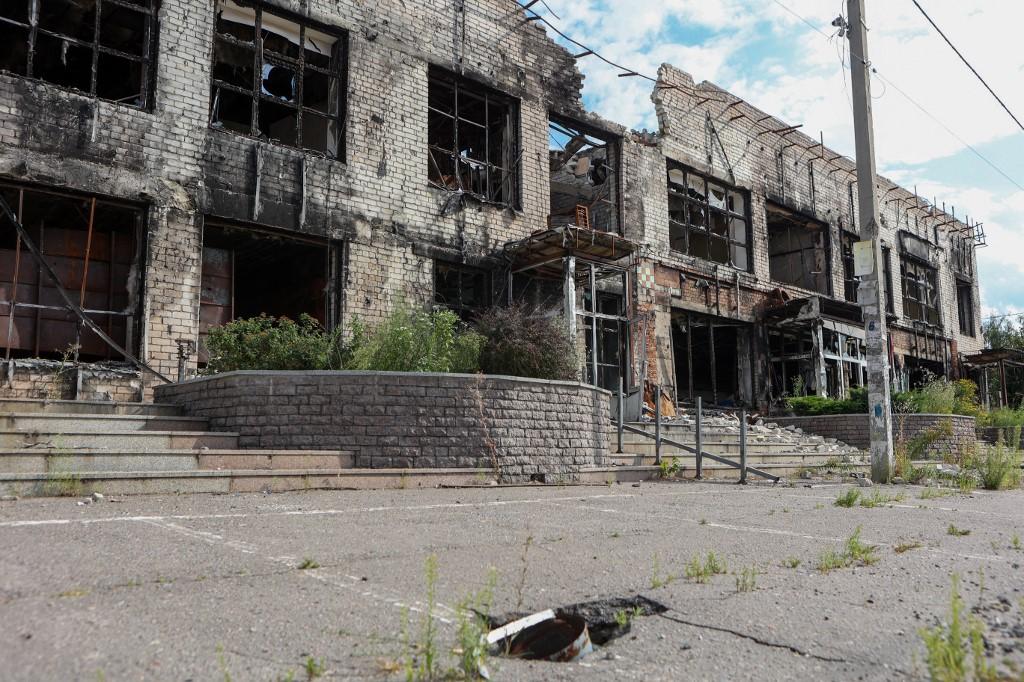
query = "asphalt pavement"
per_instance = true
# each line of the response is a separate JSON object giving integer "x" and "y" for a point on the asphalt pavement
{"x": 254, "y": 587}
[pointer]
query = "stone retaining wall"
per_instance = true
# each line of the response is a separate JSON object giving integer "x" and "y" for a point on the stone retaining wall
{"x": 525, "y": 428}
{"x": 853, "y": 429}
{"x": 993, "y": 434}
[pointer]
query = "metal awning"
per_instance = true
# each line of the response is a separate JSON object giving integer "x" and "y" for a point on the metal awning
{"x": 543, "y": 251}
{"x": 994, "y": 356}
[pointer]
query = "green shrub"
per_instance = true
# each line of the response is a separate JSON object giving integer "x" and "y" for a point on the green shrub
{"x": 998, "y": 467}
{"x": 1002, "y": 418}
{"x": 935, "y": 397}
{"x": 273, "y": 343}
{"x": 965, "y": 398}
{"x": 814, "y": 405}
{"x": 525, "y": 342}
{"x": 412, "y": 340}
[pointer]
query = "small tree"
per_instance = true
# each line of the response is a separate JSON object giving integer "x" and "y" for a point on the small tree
{"x": 520, "y": 341}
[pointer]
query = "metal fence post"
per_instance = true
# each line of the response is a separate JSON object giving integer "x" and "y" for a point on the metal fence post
{"x": 657, "y": 425}
{"x": 743, "y": 447}
{"x": 700, "y": 440}
{"x": 621, "y": 418}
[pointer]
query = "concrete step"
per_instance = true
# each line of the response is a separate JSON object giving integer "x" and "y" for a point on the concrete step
{"x": 98, "y": 423}
{"x": 42, "y": 461}
{"x": 112, "y": 442}
{"x": 634, "y": 458}
{"x": 21, "y": 405}
{"x": 687, "y": 471}
{"x": 234, "y": 481}
{"x": 646, "y": 446}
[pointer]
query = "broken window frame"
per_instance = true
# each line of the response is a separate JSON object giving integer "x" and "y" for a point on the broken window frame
{"x": 920, "y": 291}
{"x": 795, "y": 346}
{"x": 504, "y": 190}
{"x": 890, "y": 299}
{"x": 146, "y": 59}
{"x": 962, "y": 255}
{"x": 965, "y": 307}
{"x": 823, "y": 277}
{"x": 462, "y": 272}
{"x": 103, "y": 317}
{"x": 850, "y": 280}
{"x": 606, "y": 320}
{"x": 336, "y": 73}
{"x": 686, "y": 227}
{"x": 578, "y": 139}
{"x": 848, "y": 355}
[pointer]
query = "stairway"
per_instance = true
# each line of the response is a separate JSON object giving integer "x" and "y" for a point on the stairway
{"x": 775, "y": 450}
{"x": 68, "y": 447}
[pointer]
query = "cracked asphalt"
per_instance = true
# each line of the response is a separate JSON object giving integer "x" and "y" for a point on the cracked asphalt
{"x": 207, "y": 587}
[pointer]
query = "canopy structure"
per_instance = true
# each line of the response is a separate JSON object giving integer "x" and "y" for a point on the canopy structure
{"x": 585, "y": 272}
{"x": 1000, "y": 358}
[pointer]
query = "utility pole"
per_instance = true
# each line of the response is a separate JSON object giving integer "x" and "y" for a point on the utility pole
{"x": 870, "y": 295}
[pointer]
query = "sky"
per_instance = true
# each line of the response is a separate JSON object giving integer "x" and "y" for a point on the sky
{"x": 761, "y": 52}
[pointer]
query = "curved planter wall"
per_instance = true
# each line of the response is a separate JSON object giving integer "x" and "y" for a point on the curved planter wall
{"x": 852, "y": 429}
{"x": 522, "y": 427}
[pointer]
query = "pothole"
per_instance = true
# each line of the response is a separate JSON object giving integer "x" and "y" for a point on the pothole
{"x": 567, "y": 633}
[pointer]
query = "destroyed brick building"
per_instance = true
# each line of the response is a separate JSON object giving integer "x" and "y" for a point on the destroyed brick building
{"x": 181, "y": 163}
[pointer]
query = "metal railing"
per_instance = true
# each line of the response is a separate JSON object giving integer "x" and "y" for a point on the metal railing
{"x": 698, "y": 448}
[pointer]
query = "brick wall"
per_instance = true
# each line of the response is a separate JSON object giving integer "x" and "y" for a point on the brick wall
{"x": 852, "y": 429}
{"x": 393, "y": 420}
{"x": 52, "y": 380}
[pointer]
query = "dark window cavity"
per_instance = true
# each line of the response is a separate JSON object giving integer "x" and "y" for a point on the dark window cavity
{"x": 94, "y": 245}
{"x": 920, "y": 291}
{"x": 707, "y": 218}
{"x": 584, "y": 177}
{"x": 798, "y": 249}
{"x": 103, "y": 48}
{"x": 890, "y": 304}
{"x": 850, "y": 280}
{"x": 965, "y": 307}
{"x": 463, "y": 289}
{"x": 473, "y": 139}
{"x": 248, "y": 272}
{"x": 279, "y": 78}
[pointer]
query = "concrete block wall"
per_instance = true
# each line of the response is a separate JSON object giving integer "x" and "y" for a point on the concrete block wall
{"x": 852, "y": 429}
{"x": 523, "y": 428}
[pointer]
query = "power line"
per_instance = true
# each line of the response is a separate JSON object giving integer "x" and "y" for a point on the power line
{"x": 1001, "y": 317}
{"x": 913, "y": 101}
{"x": 968, "y": 64}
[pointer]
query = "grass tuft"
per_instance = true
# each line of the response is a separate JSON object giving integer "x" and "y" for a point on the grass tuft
{"x": 848, "y": 499}
{"x": 957, "y": 532}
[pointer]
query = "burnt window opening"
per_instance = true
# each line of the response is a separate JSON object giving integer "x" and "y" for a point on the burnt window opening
{"x": 920, "y": 291}
{"x": 463, "y": 289}
{"x": 103, "y": 48}
{"x": 709, "y": 353}
{"x": 472, "y": 139}
{"x": 791, "y": 363}
{"x": 890, "y": 302}
{"x": 797, "y": 249}
{"x": 850, "y": 281}
{"x": 584, "y": 180}
{"x": 94, "y": 245}
{"x": 965, "y": 307}
{"x": 249, "y": 272}
{"x": 962, "y": 255}
{"x": 708, "y": 219}
{"x": 279, "y": 78}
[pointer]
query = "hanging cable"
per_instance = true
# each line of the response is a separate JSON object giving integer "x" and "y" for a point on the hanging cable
{"x": 968, "y": 64}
